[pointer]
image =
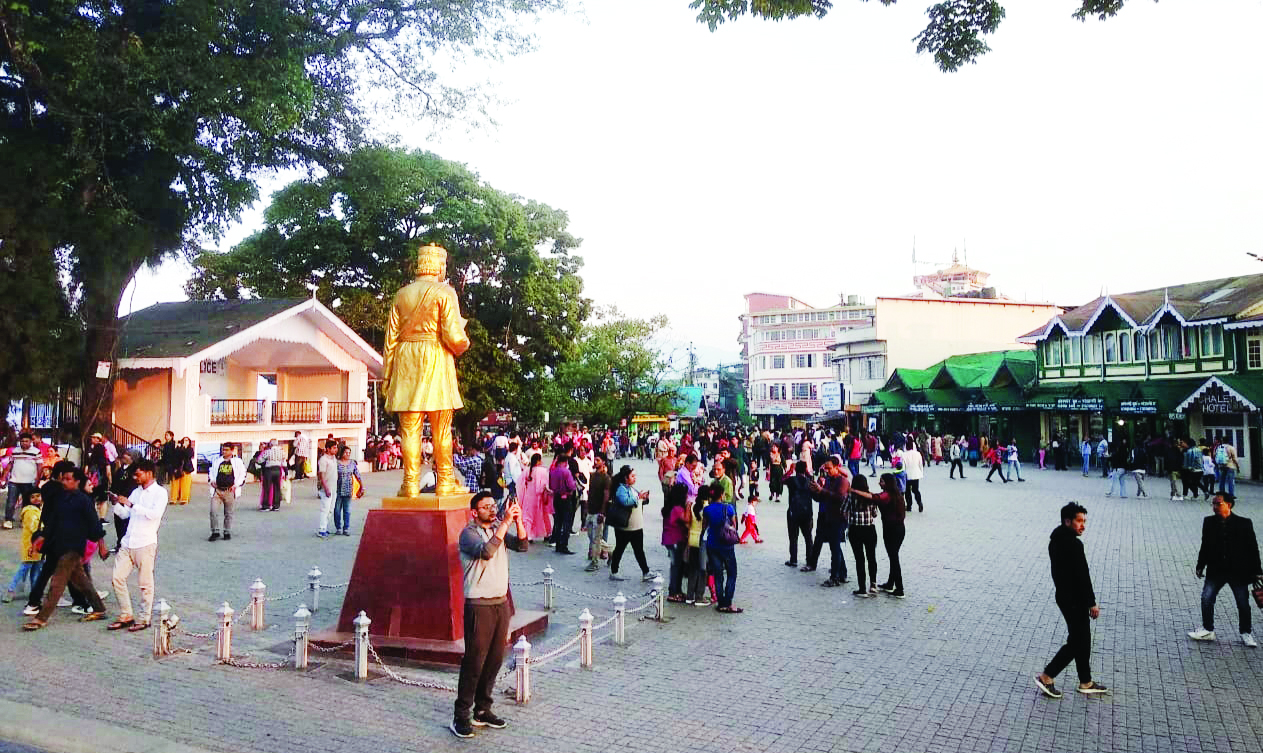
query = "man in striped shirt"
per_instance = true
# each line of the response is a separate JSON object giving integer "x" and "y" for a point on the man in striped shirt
{"x": 23, "y": 470}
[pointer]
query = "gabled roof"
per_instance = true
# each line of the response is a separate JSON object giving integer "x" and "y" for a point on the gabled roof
{"x": 1206, "y": 302}
{"x": 184, "y": 333}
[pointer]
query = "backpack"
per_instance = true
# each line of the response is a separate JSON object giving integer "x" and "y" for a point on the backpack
{"x": 1221, "y": 455}
{"x": 225, "y": 478}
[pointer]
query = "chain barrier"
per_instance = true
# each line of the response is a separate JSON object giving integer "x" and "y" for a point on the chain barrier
{"x": 330, "y": 587}
{"x": 240, "y": 664}
{"x": 392, "y": 674}
{"x": 299, "y": 592}
{"x": 527, "y": 585}
{"x": 539, "y": 661}
{"x": 331, "y": 649}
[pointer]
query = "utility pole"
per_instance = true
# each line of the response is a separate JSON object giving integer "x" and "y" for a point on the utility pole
{"x": 692, "y": 364}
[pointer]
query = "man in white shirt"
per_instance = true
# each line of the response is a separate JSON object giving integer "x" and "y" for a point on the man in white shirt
{"x": 513, "y": 468}
{"x": 24, "y": 464}
{"x": 326, "y": 486}
{"x": 143, "y": 509}
{"x": 302, "y": 451}
{"x": 226, "y": 479}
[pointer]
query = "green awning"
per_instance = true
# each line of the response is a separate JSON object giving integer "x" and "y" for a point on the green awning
{"x": 892, "y": 400}
{"x": 945, "y": 399}
{"x": 1249, "y": 387}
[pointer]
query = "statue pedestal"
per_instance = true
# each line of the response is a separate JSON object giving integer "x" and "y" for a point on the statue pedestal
{"x": 407, "y": 578}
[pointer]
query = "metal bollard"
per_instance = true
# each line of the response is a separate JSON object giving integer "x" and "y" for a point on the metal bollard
{"x": 302, "y": 623}
{"x": 162, "y": 636}
{"x": 585, "y": 639}
{"x": 223, "y": 641}
{"x": 361, "y": 624}
{"x": 620, "y": 619}
{"x": 522, "y": 661}
{"x": 660, "y": 606}
{"x": 257, "y": 593}
{"x": 313, "y": 583}
{"x": 548, "y": 587}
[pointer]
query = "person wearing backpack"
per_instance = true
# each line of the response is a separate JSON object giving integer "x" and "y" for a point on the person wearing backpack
{"x": 226, "y": 479}
{"x": 1226, "y": 467}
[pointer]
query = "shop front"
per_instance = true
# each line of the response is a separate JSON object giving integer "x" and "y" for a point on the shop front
{"x": 1227, "y": 409}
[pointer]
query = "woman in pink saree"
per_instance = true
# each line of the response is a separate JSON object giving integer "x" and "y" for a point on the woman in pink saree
{"x": 537, "y": 500}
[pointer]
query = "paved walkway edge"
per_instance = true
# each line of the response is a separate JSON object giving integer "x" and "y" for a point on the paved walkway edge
{"x": 56, "y": 731}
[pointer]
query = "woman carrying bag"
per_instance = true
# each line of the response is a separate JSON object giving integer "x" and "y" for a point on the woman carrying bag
{"x": 628, "y": 521}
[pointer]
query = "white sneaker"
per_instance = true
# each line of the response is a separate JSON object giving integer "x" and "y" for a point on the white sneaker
{"x": 1177, "y": 498}
{"x": 65, "y": 601}
{"x": 103, "y": 594}
{"x": 1248, "y": 640}
{"x": 30, "y": 611}
{"x": 1202, "y": 634}
{"x": 80, "y": 610}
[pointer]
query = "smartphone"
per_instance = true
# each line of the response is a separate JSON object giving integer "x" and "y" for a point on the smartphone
{"x": 111, "y": 496}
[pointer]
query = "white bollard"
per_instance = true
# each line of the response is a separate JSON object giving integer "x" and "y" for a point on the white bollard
{"x": 660, "y": 606}
{"x": 223, "y": 641}
{"x": 302, "y": 623}
{"x": 522, "y": 662}
{"x": 620, "y": 619}
{"x": 313, "y": 583}
{"x": 162, "y": 636}
{"x": 548, "y": 587}
{"x": 258, "y": 592}
{"x": 585, "y": 639}
{"x": 361, "y": 624}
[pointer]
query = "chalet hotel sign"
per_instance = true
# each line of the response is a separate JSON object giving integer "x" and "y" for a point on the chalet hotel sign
{"x": 1218, "y": 400}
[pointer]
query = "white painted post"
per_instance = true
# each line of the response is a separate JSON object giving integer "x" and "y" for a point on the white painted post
{"x": 522, "y": 661}
{"x": 302, "y": 623}
{"x": 257, "y": 593}
{"x": 620, "y": 619}
{"x": 548, "y": 587}
{"x": 660, "y": 607}
{"x": 162, "y": 636}
{"x": 585, "y": 639}
{"x": 313, "y": 583}
{"x": 361, "y": 624}
{"x": 223, "y": 641}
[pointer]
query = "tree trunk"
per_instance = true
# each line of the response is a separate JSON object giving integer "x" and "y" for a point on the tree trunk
{"x": 102, "y": 293}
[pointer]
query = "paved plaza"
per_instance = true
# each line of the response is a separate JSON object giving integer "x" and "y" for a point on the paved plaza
{"x": 803, "y": 669}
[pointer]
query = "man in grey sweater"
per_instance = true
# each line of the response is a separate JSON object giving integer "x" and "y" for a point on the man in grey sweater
{"x": 486, "y": 569}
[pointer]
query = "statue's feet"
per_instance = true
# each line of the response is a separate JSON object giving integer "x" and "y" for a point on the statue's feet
{"x": 409, "y": 491}
{"x": 449, "y": 489}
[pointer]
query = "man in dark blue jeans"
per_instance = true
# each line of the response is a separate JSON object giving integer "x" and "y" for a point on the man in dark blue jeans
{"x": 1229, "y": 556}
{"x": 831, "y": 525}
{"x": 721, "y": 555}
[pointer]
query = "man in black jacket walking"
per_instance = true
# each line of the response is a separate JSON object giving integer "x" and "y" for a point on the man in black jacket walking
{"x": 1075, "y": 599}
{"x": 1229, "y": 556}
{"x": 798, "y": 513}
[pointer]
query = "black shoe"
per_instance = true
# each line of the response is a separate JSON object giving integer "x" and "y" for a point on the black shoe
{"x": 897, "y": 594}
{"x": 227, "y": 536}
{"x": 213, "y": 537}
{"x": 564, "y": 551}
{"x": 488, "y": 719}
{"x": 860, "y": 594}
{"x": 461, "y": 728}
{"x": 830, "y": 583}
{"x": 1047, "y": 688}
{"x": 920, "y": 508}
{"x": 791, "y": 563}
{"x": 807, "y": 569}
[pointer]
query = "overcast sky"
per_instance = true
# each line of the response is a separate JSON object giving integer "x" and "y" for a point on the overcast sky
{"x": 805, "y": 157}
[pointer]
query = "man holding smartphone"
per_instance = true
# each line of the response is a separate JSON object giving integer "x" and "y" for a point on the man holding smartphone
{"x": 486, "y": 568}
{"x": 143, "y": 509}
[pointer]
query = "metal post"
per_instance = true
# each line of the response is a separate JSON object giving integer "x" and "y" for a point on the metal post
{"x": 548, "y": 587}
{"x": 302, "y": 623}
{"x": 620, "y": 619}
{"x": 313, "y": 583}
{"x": 257, "y": 593}
{"x": 223, "y": 641}
{"x": 162, "y": 636}
{"x": 522, "y": 661}
{"x": 585, "y": 639}
{"x": 660, "y": 606}
{"x": 361, "y": 624}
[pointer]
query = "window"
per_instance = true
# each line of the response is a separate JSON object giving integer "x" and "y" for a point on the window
{"x": 1052, "y": 353}
{"x": 804, "y": 391}
{"x": 776, "y": 391}
{"x": 1124, "y": 347}
{"x": 1188, "y": 342}
{"x": 1254, "y": 352}
{"x": 1076, "y": 351}
{"x": 1140, "y": 342}
{"x": 804, "y": 360}
{"x": 778, "y": 362}
{"x": 1092, "y": 350}
{"x": 762, "y": 391}
{"x": 844, "y": 370}
{"x": 1156, "y": 350}
{"x": 1065, "y": 350}
{"x": 1171, "y": 342}
{"x": 1111, "y": 347}
{"x": 1212, "y": 340}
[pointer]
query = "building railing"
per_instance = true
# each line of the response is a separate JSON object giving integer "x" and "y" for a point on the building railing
{"x": 346, "y": 413}
{"x": 236, "y": 411}
{"x": 296, "y": 411}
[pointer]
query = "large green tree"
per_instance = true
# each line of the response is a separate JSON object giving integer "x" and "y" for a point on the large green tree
{"x": 138, "y": 126}
{"x": 348, "y": 236}
{"x": 954, "y": 35}
{"x": 618, "y": 370}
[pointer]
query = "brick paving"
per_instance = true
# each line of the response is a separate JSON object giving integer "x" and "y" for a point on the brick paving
{"x": 804, "y": 669}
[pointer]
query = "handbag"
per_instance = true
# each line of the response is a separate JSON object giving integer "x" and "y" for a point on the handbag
{"x": 1257, "y": 590}
{"x": 618, "y": 515}
{"x": 729, "y": 536}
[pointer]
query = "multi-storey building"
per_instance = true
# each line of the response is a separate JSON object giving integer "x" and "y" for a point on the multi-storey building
{"x": 785, "y": 347}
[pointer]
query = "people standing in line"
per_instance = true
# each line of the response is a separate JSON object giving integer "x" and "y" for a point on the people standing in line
{"x": 225, "y": 479}
{"x": 862, "y": 517}
{"x": 1015, "y": 460}
{"x": 1076, "y": 600}
{"x": 486, "y": 585}
{"x": 1226, "y": 467}
{"x": 830, "y": 524}
{"x": 565, "y": 491}
{"x": 326, "y": 486}
{"x": 1229, "y": 556}
{"x": 348, "y": 475}
{"x": 914, "y": 467}
{"x": 633, "y": 530}
{"x": 890, "y": 503}
{"x": 721, "y": 555}
{"x": 594, "y": 513}
{"x": 22, "y": 473}
{"x": 64, "y": 540}
{"x": 956, "y": 455}
{"x": 143, "y": 509}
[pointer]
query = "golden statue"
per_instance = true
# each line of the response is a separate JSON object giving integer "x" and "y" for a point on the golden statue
{"x": 424, "y": 336}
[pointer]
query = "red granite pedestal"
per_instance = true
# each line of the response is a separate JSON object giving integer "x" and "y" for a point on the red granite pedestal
{"x": 407, "y": 578}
